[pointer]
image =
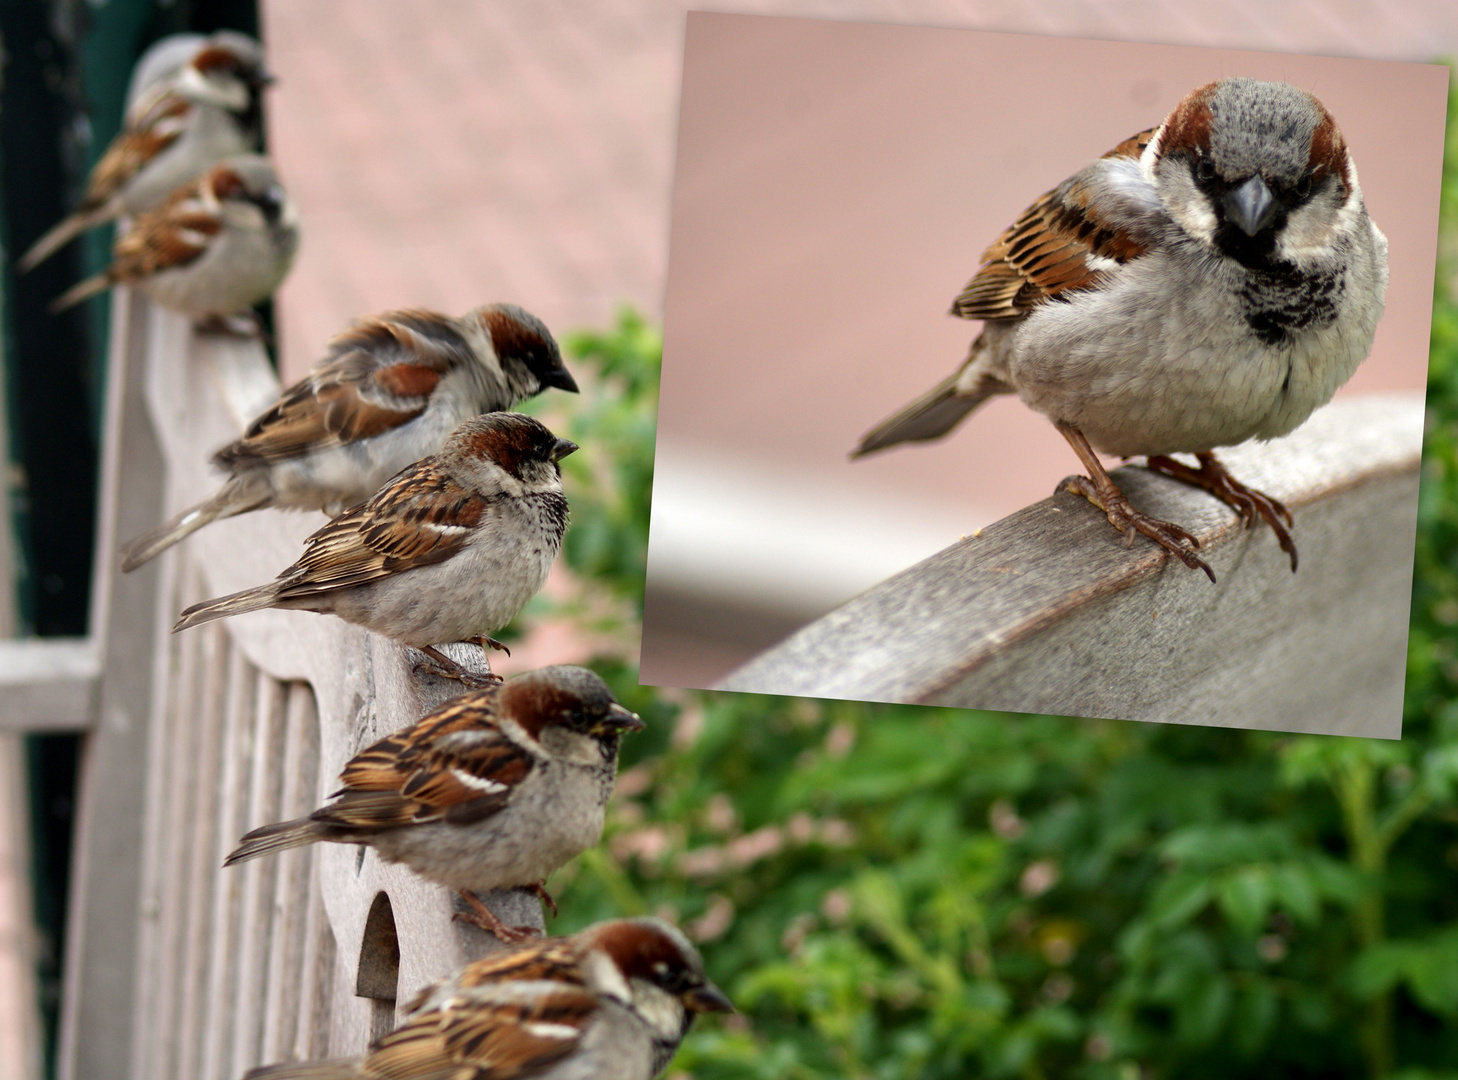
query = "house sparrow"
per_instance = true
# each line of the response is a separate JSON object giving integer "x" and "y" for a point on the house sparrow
{"x": 390, "y": 391}
{"x": 217, "y": 246}
{"x": 450, "y": 549}
{"x": 1207, "y": 282}
{"x": 495, "y": 789}
{"x": 612, "y": 1002}
{"x": 194, "y": 108}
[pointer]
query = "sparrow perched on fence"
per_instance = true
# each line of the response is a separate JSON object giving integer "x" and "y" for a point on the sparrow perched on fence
{"x": 495, "y": 789}
{"x": 1206, "y": 282}
{"x": 450, "y": 549}
{"x": 389, "y": 392}
{"x": 216, "y": 247}
{"x": 612, "y": 1002}
{"x": 194, "y": 108}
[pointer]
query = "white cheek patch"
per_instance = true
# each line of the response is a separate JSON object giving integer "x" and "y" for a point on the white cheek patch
{"x": 550, "y": 1031}
{"x": 604, "y": 978}
{"x": 1308, "y": 231}
{"x": 660, "y": 1010}
{"x": 478, "y": 783}
{"x": 1188, "y": 206}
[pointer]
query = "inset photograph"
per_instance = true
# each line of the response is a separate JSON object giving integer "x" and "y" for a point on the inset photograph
{"x": 1043, "y": 375}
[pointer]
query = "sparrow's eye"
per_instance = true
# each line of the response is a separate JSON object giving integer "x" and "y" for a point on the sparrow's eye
{"x": 1303, "y": 186}
{"x": 1205, "y": 169}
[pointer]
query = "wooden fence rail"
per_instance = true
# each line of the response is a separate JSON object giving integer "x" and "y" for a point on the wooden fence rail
{"x": 1047, "y": 611}
{"x": 176, "y": 968}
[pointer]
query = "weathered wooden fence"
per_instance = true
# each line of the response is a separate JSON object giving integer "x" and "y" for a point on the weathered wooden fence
{"x": 176, "y": 967}
{"x": 1047, "y": 611}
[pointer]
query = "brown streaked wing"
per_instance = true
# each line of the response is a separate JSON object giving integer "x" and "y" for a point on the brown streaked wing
{"x": 451, "y": 783}
{"x": 547, "y": 960}
{"x": 442, "y": 767}
{"x": 133, "y": 148}
{"x": 387, "y": 764}
{"x": 1045, "y": 252}
{"x": 486, "y": 1041}
{"x": 379, "y": 374}
{"x": 420, "y": 517}
{"x": 366, "y": 811}
{"x": 1134, "y": 145}
{"x": 544, "y": 960}
{"x": 163, "y": 239}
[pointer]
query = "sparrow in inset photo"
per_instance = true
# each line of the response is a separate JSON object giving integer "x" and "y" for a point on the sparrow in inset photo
{"x": 612, "y": 1002}
{"x": 218, "y": 245}
{"x": 495, "y": 789}
{"x": 198, "y": 103}
{"x": 450, "y": 549}
{"x": 1206, "y": 282}
{"x": 390, "y": 391}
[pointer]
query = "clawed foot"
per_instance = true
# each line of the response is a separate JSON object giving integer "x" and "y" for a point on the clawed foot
{"x": 439, "y": 664}
{"x": 1105, "y": 494}
{"x": 482, "y": 916}
{"x": 483, "y": 641}
{"x": 540, "y": 888}
{"x": 1247, "y": 502}
{"x": 1128, "y": 520}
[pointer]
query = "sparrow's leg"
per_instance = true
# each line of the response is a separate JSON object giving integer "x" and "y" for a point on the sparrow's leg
{"x": 482, "y": 916}
{"x": 1099, "y": 488}
{"x": 1247, "y": 502}
{"x": 483, "y": 641}
{"x": 540, "y": 888}
{"x": 438, "y": 663}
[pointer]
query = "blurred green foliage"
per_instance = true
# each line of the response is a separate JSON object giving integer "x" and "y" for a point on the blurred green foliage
{"x": 911, "y": 892}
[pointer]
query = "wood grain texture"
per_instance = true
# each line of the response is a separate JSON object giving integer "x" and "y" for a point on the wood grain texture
{"x": 1048, "y": 612}
{"x": 96, "y": 1036}
{"x": 205, "y": 971}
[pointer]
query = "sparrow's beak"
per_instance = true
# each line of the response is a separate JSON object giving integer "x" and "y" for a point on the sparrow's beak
{"x": 1251, "y": 206}
{"x": 707, "y": 998}
{"x": 562, "y": 379}
{"x": 562, "y": 448}
{"x": 620, "y": 719}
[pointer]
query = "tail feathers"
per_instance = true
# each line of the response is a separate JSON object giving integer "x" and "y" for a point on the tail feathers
{"x": 932, "y": 415}
{"x": 277, "y": 837}
{"x": 76, "y": 293}
{"x": 61, "y": 234}
{"x": 335, "y": 1069}
{"x": 232, "y": 498}
{"x": 234, "y": 604}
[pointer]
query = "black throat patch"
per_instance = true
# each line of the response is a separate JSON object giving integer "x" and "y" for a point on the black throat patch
{"x": 1280, "y": 300}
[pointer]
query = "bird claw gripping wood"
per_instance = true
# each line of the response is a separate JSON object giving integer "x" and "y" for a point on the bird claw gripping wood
{"x": 1128, "y": 520}
{"x": 442, "y": 666}
{"x": 1213, "y": 477}
{"x": 540, "y": 888}
{"x": 482, "y": 916}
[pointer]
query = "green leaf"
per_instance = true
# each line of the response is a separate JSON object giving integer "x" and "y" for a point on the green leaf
{"x": 1294, "y": 888}
{"x": 1244, "y": 897}
{"x": 1178, "y": 899}
{"x": 1256, "y": 1008}
{"x": 1203, "y": 1011}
